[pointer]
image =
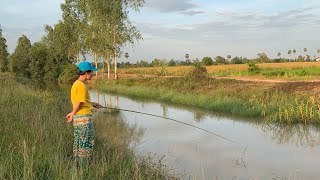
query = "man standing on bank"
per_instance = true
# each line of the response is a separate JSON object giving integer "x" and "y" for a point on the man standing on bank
{"x": 81, "y": 115}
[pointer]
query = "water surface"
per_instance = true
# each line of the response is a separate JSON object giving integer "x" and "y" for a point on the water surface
{"x": 261, "y": 151}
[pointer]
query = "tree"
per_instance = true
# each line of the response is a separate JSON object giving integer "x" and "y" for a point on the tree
{"x": 38, "y": 58}
{"x": 262, "y": 57}
{"x": 57, "y": 49}
{"x": 171, "y": 63}
{"x": 294, "y": 52}
{"x": 186, "y": 56}
{"x": 220, "y": 60}
{"x": 289, "y": 53}
{"x": 3, "y": 53}
{"x": 300, "y": 58}
{"x": 279, "y": 54}
{"x": 207, "y": 61}
{"x": 20, "y": 57}
{"x": 318, "y": 51}
{"x": 305, "y": 50}
{"x": 237, "y": 60}
{"x": 229, "y": 57}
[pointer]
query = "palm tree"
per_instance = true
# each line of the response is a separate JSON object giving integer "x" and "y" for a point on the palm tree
{"x": 187, "y": 56}
{"x": 318, "y": 51}
{"x": 289, "y": 52}
{"x": 294, "y": 52}
{"x": 305, "y": 50}
{"x": 279, "y": 54}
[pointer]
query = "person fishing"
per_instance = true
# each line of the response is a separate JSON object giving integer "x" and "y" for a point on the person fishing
{"x": 81, "y": 115}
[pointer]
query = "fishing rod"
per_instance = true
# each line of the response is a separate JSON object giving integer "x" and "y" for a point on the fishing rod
{"x": 172, "y": 120}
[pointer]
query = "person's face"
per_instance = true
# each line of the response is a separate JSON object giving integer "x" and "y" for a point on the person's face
{"x": 89, "y": 75}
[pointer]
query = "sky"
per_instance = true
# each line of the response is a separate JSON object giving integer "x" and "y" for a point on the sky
{"x": 173, "y": 28}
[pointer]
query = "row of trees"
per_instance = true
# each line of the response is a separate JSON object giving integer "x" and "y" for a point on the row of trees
{"x": 207, "y": 61}
{"x": 96, "y": 27}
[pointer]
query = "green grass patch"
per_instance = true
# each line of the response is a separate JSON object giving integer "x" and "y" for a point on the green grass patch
{"x": 36, "y": 142}
{"x": 267, "y": 102}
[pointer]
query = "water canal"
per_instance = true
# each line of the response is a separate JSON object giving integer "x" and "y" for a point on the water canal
{"x": 262, "y": 152}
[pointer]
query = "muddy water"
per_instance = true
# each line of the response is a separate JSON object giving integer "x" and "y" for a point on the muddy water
{"x": 260, "y": 151}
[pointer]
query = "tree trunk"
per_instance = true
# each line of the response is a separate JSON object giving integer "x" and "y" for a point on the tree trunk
{"x": 115, "y": 53}
{"x": 108, "y": 64}
{"x": 102, "y": 74}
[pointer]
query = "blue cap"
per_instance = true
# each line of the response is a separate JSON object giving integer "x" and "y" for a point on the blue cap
{"x": 86, "y": 66}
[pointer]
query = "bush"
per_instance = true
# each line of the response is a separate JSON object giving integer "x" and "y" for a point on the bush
{"x": 253, "y": 68}
{"x": 198, "y": 71}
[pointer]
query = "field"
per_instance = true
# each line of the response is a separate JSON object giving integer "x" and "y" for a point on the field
{"x": 289, "y": 71}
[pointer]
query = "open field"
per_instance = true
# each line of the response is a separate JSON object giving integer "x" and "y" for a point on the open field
{"x": 288, "y": 71}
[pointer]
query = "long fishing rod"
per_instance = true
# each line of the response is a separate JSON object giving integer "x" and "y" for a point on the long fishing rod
{"x": 174, "y": 121}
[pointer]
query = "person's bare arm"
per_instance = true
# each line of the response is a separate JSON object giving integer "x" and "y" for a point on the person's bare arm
{"x": 76, "y": 108}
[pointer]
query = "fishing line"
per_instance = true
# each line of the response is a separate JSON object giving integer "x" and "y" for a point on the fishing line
{"x": 174, "y": 121}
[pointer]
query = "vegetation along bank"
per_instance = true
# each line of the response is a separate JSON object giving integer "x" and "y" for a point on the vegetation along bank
{"x": 289, "y": 102}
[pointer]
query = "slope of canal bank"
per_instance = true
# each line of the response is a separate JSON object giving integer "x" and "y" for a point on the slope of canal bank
{"x": 288, "y": 102}
{"x": 36, "y": 142}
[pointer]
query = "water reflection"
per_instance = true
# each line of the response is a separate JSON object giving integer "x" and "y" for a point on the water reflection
{"x": 295, "y": 134}
{"x": 273, "y": 151}
{"x": 111, "y": 127}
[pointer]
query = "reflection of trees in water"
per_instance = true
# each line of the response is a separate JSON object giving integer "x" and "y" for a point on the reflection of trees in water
{"x": 199, "y": 115}
{"x": 111, "y": 128}
{"x": 298, "y": 134}
{"x": 164, "y": 109}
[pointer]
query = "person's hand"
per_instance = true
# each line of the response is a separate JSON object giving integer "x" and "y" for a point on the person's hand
{"x": 96, "y": 105}
{"x": 69, "y": 117}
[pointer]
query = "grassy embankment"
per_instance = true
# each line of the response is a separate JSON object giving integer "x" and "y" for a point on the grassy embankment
{"x": 287, "y": 71}
{"x": 36, "y": 142}
{"x": 289, "y": 102}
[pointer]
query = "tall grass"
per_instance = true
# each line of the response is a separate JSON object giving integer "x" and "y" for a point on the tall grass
{"x": 300, "y": 70}
{"x": 285, "y": 103}
{"x": 36, "y": 142}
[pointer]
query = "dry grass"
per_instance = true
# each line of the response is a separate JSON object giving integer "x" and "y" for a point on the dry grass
{"x": 182, "y": 70}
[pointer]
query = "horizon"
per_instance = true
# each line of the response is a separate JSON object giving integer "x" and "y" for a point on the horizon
{"x": 199, "y": 28}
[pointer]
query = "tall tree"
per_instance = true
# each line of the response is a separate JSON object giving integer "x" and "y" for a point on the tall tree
{"x": 3, "y": 53}
{"x": 73, "y": 35}
{"x": 294, "y": 52}
{"x": 20, "y": 57}
{"x": 123, "y": 30}
{"x": 38, "y": 58}
{"x": 305, "y": 50}
{"x": 289, "y": 53}
{"x": 58, "y": 46}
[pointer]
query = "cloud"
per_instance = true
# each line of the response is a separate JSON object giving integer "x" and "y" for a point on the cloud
{"x": 170, "y": 6}
{"x": 240, "y": 25}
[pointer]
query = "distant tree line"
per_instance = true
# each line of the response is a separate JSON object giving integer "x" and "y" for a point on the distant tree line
{"x": 98, "y": 28}
{"x": 208, "y": 61}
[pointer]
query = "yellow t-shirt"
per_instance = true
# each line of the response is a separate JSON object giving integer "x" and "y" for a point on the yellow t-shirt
{"x": 80, "y": 93}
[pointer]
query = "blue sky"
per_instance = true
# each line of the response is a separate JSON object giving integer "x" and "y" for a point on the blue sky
{"x": 172, "y": 28}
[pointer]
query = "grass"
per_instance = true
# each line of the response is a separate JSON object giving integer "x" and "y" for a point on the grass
{"x": 36, "y": 142}
{"x": 292, "y": 102}
{"x": 289, "y": 71}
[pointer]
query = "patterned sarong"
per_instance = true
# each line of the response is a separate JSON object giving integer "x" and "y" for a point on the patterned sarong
{"x": 83, "y": 138}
